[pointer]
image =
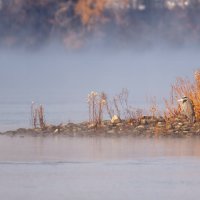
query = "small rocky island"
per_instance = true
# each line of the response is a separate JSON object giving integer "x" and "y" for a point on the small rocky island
{"x": 147, "y": 126}
{"x": 181, "y": 117}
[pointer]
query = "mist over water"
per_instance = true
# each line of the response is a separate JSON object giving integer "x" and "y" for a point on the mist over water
{"x": 61, "y": 80}
{"x": 99, "y": 168}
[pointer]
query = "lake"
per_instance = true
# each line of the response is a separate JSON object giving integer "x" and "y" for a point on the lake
{"x": 99, "y": 168}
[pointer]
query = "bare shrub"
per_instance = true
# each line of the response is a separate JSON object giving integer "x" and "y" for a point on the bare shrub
{"x": 37, "y": 116}
{"x": 153, "y": 108}
{"x": 119, "y": 105}
{"x": 96, "y": 104}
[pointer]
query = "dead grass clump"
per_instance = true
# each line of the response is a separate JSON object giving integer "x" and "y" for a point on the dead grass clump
{"x": 96, "y": 104}
{"x": 90, "y": 10}
{"x": 37, "y": 116}
{"x": 172, "y": 108}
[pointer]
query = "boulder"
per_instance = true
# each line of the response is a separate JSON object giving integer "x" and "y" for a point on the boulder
{"x": 143, "y": 122}
{"x": 115, "y": 119}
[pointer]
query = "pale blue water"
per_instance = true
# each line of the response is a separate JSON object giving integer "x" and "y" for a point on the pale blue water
{"x": 18, "y": 115}
{"x": 99, "y": 168}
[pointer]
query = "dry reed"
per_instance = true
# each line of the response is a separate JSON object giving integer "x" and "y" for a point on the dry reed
{"x": 37, "y": 116}
{"x": 96, "y": 104}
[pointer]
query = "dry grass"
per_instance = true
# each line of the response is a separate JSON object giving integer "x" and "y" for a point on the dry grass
{"x": 99, "y": 105}
{"x": 183, "y": 87}
{"x": 118, "y": 105}
{"x": 153, "y": 108}
{"x": 37, "y": 116}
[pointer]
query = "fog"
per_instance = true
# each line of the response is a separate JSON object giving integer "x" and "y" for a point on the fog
{"x": 61, "y": 80}
{"x": 51, "y": 75}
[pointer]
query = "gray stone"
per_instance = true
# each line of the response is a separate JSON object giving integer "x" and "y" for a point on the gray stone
{"x": 111, "y": 131}
{"x": 185, "y": 132}
{"x": 186, "y": 129}
{"x": 160, "y": 124}
{"x": 169, "y": 126}
{"x": 141, "y": 127}
{"x": 170, "y": 131}
{"x": 143, "y": 122}
{"x": 115, "y": 119}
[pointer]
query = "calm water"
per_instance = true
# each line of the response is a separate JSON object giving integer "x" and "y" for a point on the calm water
{"x": 99, "y": 168}
{"x": 15, "y": 114}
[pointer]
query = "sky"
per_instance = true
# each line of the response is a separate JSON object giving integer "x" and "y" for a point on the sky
{"x": 51, "y": 75}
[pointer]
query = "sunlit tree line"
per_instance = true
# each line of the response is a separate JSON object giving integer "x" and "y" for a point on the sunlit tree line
{"x": 73, "y": 22}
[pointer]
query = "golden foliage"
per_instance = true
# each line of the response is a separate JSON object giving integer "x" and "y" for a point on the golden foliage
{"x": 90, "y": 10}
{"x": 184, "y": 87}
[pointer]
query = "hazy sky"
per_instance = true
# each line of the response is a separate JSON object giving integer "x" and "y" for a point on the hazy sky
{"x": 57, "y": 76}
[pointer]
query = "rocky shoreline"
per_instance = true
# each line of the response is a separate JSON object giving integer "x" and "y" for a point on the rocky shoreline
{"x": 147, "y": 126}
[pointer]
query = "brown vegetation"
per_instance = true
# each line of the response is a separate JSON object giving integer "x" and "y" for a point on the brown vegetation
{"x": 96, "y": 104}
{"x": 37, "y": 116}
{"x": 100, "y": 105}
{"x": 183, "y": 87}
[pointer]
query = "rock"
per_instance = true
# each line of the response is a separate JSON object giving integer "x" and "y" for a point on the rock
{"x": 180, "y": 124}
{"x": 169, "y": 126}
{"x": 115, "y": 119}
{"x": 74, "y": 130}
{"x": 21, "y": 130}
{"x": 177, "y": 119}
{"x": 111, "y": 131}
{"x": 92, "y": 126}
{"x": 186, "y": 129}
{"x": 120, "y": 124}
{"x": 143, "y": 122}
{"x": 198, "y": 131}
{"x": 141, "y": 127}
{"x": 160, "y": 124}
{"x": 170, "y": 131}
{"x": 79, "y": 129}
{"x": 161, "y": 119}
{"x": 185, "y": 132}
{"x": 153, "y": 120}
{"x": 56, "y": 131}
{"x": 177, "y": 127}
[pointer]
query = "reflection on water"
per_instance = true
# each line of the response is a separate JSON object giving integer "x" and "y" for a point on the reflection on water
{"x": 99, "y": 168}
{"x": 60, "y": 148}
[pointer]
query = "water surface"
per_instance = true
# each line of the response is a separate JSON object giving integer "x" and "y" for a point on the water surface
{"x": 98, "y": 168}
